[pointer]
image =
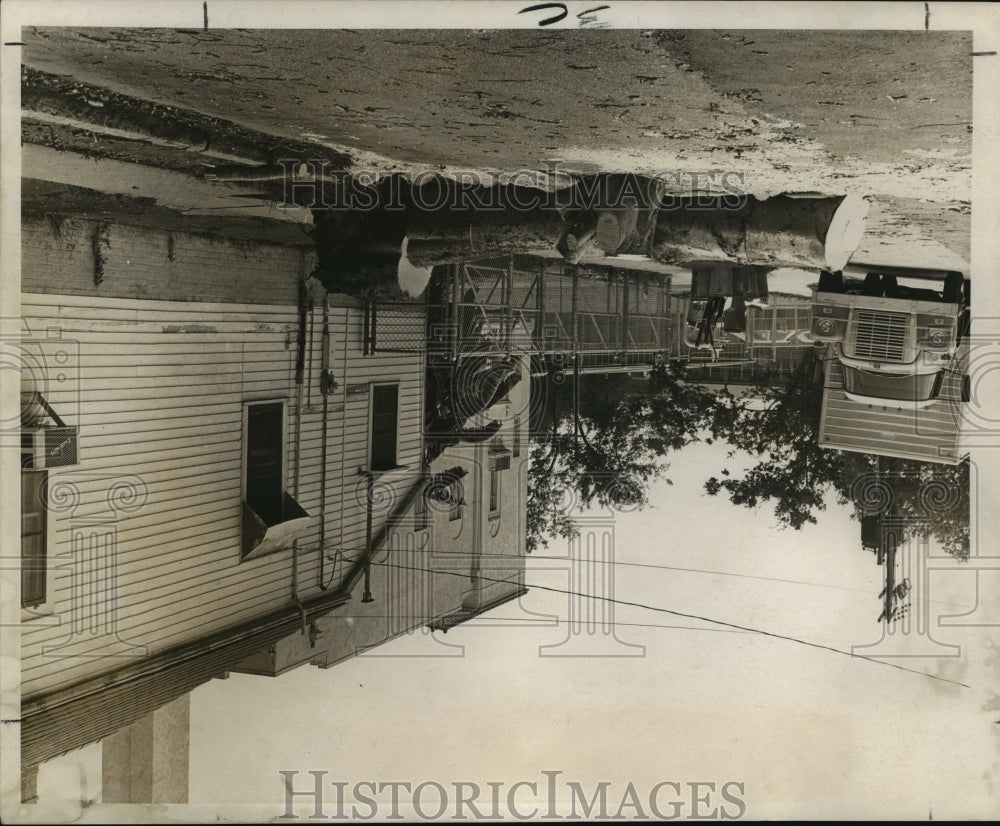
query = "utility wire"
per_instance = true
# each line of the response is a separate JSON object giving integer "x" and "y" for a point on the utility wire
{"x": 728, "y": 573}
{"x": 560, "y": 620}
{"x": 661, "y": 610}
{"x": 653, "y": 566}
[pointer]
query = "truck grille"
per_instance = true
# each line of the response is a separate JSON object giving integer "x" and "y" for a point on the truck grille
{"x": 880, "y": 336}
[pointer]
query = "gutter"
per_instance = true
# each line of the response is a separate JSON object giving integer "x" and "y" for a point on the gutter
{"x": 88, "y": 711}
{"x": 313, "y": 608}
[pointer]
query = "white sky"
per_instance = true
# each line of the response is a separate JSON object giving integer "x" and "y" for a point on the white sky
{"x": 811, "y": 733}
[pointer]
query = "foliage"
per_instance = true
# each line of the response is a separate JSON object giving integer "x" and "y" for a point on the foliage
{"x": 627, "y": 431}
{"x": 932, "y": 498}
{"x": 624, "y": 432}
{"x": 780, "y": 425}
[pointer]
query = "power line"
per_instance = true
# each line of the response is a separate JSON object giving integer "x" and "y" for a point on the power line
{"x": 729, "y": 573}
{"x": 672, "y": 612}
{"x": 682, "y": 569}
{"x": 560, "y": 620}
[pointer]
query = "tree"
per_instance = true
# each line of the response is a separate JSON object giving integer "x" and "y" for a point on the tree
{"x": 780, "y": 425}
{"x": 932, "y": 498}
{"x": 611, "y": 447}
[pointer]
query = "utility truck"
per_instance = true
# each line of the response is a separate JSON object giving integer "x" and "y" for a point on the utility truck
{"x": 895, "y": 348}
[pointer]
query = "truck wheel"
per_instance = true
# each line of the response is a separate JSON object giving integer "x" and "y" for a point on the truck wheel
{"x": 831, "y": 282}
{"x": 953, "y": 282}
{"x": 966, "y": 389}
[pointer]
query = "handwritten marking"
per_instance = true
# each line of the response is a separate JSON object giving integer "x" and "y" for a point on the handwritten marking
{"x": 587, "y": 18}
{"x": 548, "y": 20}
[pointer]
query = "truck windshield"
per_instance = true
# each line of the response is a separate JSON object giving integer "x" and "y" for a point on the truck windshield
{"x": 889, "y": 386}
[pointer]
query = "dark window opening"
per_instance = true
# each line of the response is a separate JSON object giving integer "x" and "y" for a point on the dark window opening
{"x": 33, "y": 539}
{"x": 271, "y": 518}
{"x": 385, "y": 419}
{"x": 494, "y": 492}
{"x": 265, "y": 473}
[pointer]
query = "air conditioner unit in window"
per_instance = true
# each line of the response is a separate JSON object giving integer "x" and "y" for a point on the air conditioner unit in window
{"x": 49, "y": 447}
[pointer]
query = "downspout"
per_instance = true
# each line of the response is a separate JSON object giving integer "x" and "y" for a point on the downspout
{"x": 328, "y": 384}
{"x": 370, "y": 489}
{"x": 326, "y": 387}
{"x": 300, "y": 361}
{"x": 478, "y": 524}
{"x": 350, "y": 580}
{"x": 342, "y": 476}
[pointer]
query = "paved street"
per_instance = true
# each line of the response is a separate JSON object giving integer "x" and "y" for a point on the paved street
{"x": 883, "y": 114}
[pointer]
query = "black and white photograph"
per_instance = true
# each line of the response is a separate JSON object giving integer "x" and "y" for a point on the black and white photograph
{"x": 499, "y": 411}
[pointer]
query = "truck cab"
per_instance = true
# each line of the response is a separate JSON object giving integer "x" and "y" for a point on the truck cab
{"x": 895, "y": 342}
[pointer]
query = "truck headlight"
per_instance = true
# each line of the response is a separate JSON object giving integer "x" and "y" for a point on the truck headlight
{"x": 935, "y": 332}
{"x": 829, "y": 322}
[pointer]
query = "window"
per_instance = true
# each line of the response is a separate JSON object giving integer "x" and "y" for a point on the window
{"x": 272, "y": 519}
{"x": 517, "y": 436}
{"x": 494, "y": 493}
{"x": 902, "y": 387}
{"x": 499, "y": 461}
{"x": 33, "y": 539}
{"x": 385, "y": 420}
{"x": 265, "y": 471}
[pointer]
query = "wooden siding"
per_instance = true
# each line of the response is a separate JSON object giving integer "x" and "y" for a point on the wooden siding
{"x": 157, "y": 390}
{"x": 420, "y": 574}
{"x": 930, "y": 434}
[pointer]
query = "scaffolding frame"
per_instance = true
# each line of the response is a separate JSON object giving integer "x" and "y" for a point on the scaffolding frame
{"x": 599, "y": 318}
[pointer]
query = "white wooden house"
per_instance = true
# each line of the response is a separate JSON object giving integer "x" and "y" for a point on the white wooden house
{"x": 226, "y": 424}
{"x": 218, "y": 466}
